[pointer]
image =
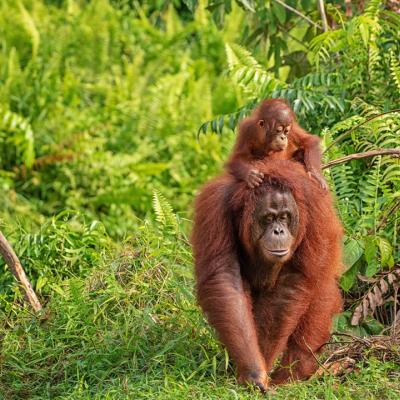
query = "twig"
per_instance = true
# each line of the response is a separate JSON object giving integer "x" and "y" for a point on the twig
{"x": 344, "y": 135}
{"x": 321, "y": 7}
{"x": 357, "y": 156}
{"x": 301, "y": 15}
{"x": 16, "y": 268}
{"x": 385, "y": 218}
{"x": 394, "y": 326}
{"x": 353, "y": 337}
{"x": 315, "y": 357}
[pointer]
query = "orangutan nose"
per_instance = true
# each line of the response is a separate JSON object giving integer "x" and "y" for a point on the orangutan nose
{"x": 278, "y": 231}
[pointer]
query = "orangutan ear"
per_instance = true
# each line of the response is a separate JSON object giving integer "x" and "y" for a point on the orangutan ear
{"x": 261, "y": 123}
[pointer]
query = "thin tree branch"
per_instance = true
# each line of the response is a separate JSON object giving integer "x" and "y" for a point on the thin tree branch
{"x": 357, "y": 156}
{"x": 315, "y": 357}
{"x": 16, "y": 268}
{"x": 385, "y": 217}
{"x": 348, "y": 133}
{"x": 301, "y": 15}
{"x": 321, "y": 7}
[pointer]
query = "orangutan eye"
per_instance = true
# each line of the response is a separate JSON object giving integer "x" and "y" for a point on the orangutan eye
{"x": 284, "y": 217}
{"x": 279, "y": 128}
{"x": 269, "y": 218}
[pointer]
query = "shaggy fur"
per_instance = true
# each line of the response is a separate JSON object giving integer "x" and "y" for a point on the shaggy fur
{"x": 257, "y": 316}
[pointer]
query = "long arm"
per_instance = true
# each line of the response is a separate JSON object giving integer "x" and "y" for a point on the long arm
{"x": 311, "y": 147}
{"x": 239, "y": 167}
{"x": 220, "y": 289}
{"x": 228, "y": 309}
{"x": 310, "y": 144}
{"x": 243, "y": 170}
{"x": 240, "y": 162}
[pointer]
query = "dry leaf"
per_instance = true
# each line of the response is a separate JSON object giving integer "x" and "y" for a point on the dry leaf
{"x": 365, "y": 307}
{"x": 372, "y": 302}
{"x": 356, "y": 315}
{"x": 384, "y": 286}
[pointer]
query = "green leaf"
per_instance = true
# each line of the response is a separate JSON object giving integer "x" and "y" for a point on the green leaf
{"x": 349, "y": 278}
{"x": 220, "y": 124}
{"x": 279, "y": 11}
{"x": 353, "y": 250}
{"x": 30, "y": 27}
{"x": 372, "y": 326}
{"x": 385, "y": 249}
{"x": 214, "y": 126}
{"x": 191, "y": 5}
{"x": 247, "y": 5}
{"x": 370, "y": 249}
{"x": 163, "y": 210}
{"x": 372, "y": 268}
{"x": 232, "y": 122}
{"x": 41, "y": 282}
{"x": 371, "y": 256}
{"x": 341, "y": 322}
{"x": 364, "y": 31}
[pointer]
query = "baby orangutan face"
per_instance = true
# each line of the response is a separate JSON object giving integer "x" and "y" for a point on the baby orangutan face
{"x": 277, "y": 129}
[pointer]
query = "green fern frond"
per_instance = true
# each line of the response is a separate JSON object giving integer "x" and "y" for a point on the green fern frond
{"x": 16, "y": 131}
{"x": 346, "y": 124}
{"x": 30, "y": 27}
{"x": 326, "y": 43}
{"x": 373, "y": 8}
{"x": 395, "y": 69}
{"x": 248, "y": 73}
{"x": 318, "y": 79}
{"x": 343, "y": 185}
{"x": 238, "y": 55}
{"x": 374, "y": 61}
{"x": 164, "y": 212}
{"x": 369, "y": 184}
{"x": 230, "y": 120}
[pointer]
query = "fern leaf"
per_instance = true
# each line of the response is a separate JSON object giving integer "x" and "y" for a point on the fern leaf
{"x": 19, "y": 133}
{"x": 30, "y": 27}
{"x": 238, "y": 55}
{"x": 164, "y": 212}
{"x": 395, "y": 69}
{"x": 373, "y": 8}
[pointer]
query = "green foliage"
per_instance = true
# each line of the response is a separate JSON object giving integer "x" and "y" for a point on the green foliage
{"x": 163, "y": 210}
{"x": 100, "y": 102}
{"x": 317, "y": 92}
{"x": 131, "y": 329}
{"x": 65, "y": 246}
{"x": 110, "y": 97}
{"x": 16, "y": 140}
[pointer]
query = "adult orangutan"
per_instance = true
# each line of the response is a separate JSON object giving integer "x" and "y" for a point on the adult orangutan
{"x": 271, "y": 131}
{"x": 267, "y": 262}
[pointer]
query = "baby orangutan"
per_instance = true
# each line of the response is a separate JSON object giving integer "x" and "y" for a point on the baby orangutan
{"x": 272, "y": 131}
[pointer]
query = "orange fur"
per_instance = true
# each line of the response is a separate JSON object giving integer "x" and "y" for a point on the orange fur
{"x": 293, "y": 314}
{"x": 252, "y": 142}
